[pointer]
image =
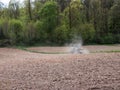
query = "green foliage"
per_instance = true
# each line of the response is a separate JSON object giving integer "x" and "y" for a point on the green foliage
{"x": 49, "y": 14}
{"x": 116, "y": 38}
{"x": 107, "y": 39}
{"x": 1, "y": 33}
{"x": 41, "y": 35}
{"x": 114, "y": 19}
{"x": 87, "y": 32}
{"x": 15, "y": 31}
{"x": 3, "y": 29}
{"x": 37, "y": 8}
{"x": 60, "y": 35}
{"x": 29, "y": 33}
{"x": 49, "y": 17}
{"x": 74, "y": 14}
{"x": 58, "y": 22}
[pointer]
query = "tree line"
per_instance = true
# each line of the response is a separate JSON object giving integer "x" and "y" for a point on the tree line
{"x": 59, "y": 21}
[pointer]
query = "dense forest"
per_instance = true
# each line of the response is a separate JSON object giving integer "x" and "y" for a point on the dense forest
{"x": 59, "y": 21}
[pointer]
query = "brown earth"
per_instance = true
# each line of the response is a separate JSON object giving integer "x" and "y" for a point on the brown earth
{"x": 91, "y": 48}
{"x": 22, "y": 70}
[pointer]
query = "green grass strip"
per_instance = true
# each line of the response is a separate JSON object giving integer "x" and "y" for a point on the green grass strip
{"x": 25, "y": 49}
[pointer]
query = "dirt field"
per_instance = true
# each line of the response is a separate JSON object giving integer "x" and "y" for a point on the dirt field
{"x": 91, "y": 48}
{"x": 22, "y": 70}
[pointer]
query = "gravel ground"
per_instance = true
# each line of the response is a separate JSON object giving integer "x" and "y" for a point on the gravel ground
{"x": 21, "y": 70}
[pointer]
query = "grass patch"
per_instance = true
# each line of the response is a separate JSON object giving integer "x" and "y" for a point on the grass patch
{"x": 111, "y": 51}
{"x": 25, "y": 49}
{"x": 116, "y": 51}
{"x": 33, "y": 51}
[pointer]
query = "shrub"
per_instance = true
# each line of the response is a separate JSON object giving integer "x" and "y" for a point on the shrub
{"x": 86, "y": 31}
{"x": 4, "y": 34}
{"x": 1, "y": 31}
{"x": 41, "y": 35}
{"x": 15, "y": 31}
{"x": 60, "y": 35}
{"x": 4, "y": 29}
{"x": 29, "y": 33}
{"x": 116, "y": 38}
{"x": 107, "y": 39}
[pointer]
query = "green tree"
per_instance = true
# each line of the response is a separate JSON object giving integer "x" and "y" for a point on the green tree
{"x": 49, "y": 17}
{"x": 63, "y": 4}
{"x": 114, "y": 21}
{"x": 86, "y": 4}
{"x": 36, "y": 10}
{"x": 28, "y": 9}
{"x": 114, "y": 18}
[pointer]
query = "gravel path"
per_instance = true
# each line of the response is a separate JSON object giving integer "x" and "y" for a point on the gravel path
{"x": 21, "y": 70}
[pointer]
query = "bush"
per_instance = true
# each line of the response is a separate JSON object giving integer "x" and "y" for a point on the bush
{"x": 107, "y": 39}
{"x": 4, "y": 34}
{"x": 116, "y": 38}
{"x": 1, "y": 31}
{"x": 41, "y": 35}
{"x": 60, "y": 35}
{"x": 15, "y": 31}
{"x": 29, "y": 33}
{"x": 4, "y": 29}
{"x": 86, "y": 31}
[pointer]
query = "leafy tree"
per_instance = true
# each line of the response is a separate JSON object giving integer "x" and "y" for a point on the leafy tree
{"x": 114, "y": 21}
{"x": 49, "y": 17}
{"x": 60, "y": 35}
{"x": 63, "y": 4}
{"x": 115, "y": 18}
{"x": 87, "y": 9}
{"x": 41, "y": 34}
{"x": 28, "y": 7}
{"x": 58, "y": 21}
{"x": 36, "y": 10}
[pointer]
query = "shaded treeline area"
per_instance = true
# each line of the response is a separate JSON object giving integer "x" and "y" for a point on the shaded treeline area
{"x": 59, "y": 21}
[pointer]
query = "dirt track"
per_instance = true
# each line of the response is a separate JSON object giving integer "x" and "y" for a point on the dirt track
{"x": 21, "y": 70}
{"x": 91, "y": 48}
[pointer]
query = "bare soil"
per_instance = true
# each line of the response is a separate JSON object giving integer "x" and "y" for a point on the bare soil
{"x": 91, "y": 48}
{"x": 22, "y": 70}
